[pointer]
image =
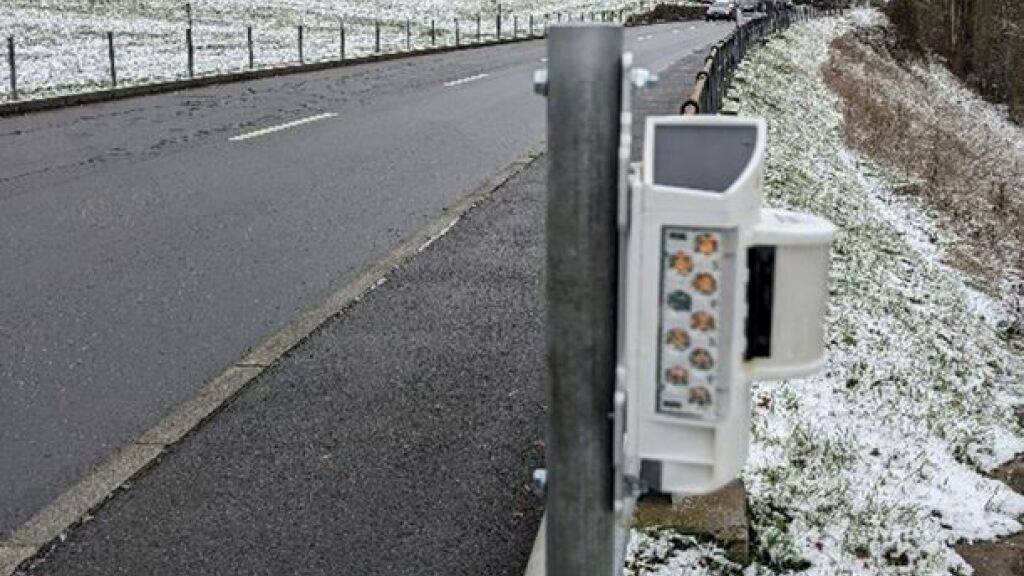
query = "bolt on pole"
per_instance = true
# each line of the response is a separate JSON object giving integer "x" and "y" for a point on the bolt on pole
{"x": 584, "y": 88}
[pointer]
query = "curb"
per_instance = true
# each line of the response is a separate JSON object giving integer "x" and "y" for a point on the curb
{"x": 537, "y": 566}
{"x": 54, "y": 102}
{"x": 35, "y": 536}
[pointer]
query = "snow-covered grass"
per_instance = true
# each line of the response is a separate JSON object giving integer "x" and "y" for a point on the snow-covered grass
{"x": 910, "y": 113}
{"x": 876, "y": 465}
{"x": 61, "y": 45}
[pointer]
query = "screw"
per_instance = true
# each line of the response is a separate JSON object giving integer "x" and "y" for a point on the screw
{"x": 540, "y": 81}
{"x": 540, "y": 481}
{"x": 643, "y": 78}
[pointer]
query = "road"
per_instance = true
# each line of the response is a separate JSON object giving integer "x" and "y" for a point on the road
{"x": 146, "y": 244}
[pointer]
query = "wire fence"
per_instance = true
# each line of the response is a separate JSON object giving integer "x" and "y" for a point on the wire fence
{"x": 720, "y": 66}
{"x": 116, "y": 50}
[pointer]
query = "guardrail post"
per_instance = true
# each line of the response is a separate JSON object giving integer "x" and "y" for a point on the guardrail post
{"x": 302, "y": 58}
{"x": 11, "y": 61}
{"x": 584, "y": 90}
{"x": 190, "y": 48}
{"x": 248, "y": 41}
{"x": 110, "y": 54}
{"x": 376, "y": 36}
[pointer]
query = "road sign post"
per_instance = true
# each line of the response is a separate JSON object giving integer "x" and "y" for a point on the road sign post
{"x": 584, "y": 98}
{"x": 110, "y": 56}
{"x": 12, "y": 64}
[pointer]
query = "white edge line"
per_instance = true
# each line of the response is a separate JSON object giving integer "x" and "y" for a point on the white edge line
{"x": 279, "y": 127}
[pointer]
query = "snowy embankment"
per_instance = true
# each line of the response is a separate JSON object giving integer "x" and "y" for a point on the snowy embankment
{"x": 876, "y": 465}
{"x": 61, "y": 45}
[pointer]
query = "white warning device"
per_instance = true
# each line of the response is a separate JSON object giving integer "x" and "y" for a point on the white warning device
{"x": 718, "y": 292}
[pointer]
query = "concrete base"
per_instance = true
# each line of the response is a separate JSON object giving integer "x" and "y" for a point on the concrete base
{"x": 720, "y": 516}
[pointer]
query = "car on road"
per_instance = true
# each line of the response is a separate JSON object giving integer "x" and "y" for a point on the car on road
{"x": 721, "y": 10}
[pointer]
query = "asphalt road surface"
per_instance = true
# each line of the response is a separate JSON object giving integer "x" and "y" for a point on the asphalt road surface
{"x": 146, "y": 244}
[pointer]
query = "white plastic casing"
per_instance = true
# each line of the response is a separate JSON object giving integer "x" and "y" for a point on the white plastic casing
{"x": 695, "y": 449}
{"x": 802, "y": 246}
{"x": 696, "y": 211}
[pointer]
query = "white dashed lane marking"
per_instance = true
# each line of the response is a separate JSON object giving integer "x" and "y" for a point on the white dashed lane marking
{"x": 279, "y": 127}
{"x": 465, "y": 80}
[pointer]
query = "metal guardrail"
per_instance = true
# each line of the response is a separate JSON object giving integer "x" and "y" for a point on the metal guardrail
{"x": 714, "y": 79}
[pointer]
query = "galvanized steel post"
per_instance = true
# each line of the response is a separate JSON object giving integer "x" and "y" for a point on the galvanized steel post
{"x": 584, "y": 90}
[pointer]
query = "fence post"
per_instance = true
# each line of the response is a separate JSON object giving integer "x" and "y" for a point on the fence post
{"x": 408, "y": 35}
{"x": 376, "y": 36}
{"x": 584, "y": 89}
{"x": 110, "y": 53}
{"x": 302, "y": 58}
{"x": 190, "y": 48}
{"x": 341, "y": 27}
{"x": 497, "y": 24}
{"x": 248, "y": 42}
{"x": 11, "y": 61}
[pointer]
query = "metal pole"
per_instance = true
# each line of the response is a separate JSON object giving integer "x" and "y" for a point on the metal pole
{"x": 14, "y": 69}
{"x": 110, "y": 53}
{"x": 341, "y": 26}
{"x": 456, "y": 31}
{"x": 433, "y": 33}
{"x": 497, "y": 23}
{"x": 584, "y": 100}
{"x": 376, "y": 36}
{"x": 515, "y": 27}
{"x": 188, "y": 14}
{"x": 531, "y": 25}
{"x": 408, "y": 35}
{"x": 191, "y": 53}
{"x": 302, "y": 58}
{"x": 248, "y": 41}
{"x": 478, "y": 35}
